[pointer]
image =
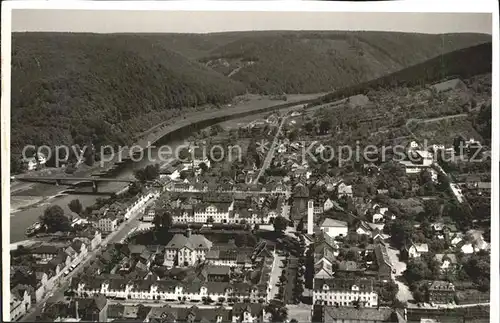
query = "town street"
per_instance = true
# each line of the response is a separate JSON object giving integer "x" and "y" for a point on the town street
{"x": 275, "y": 275}
{"x": 57, "y": 294}
{"x": 270, "y": 154}
{"x": 404, "y": 293}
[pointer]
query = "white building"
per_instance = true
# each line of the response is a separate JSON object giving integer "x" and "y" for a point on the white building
{"x": 446, "y": 261}
{"x": 417, "y": 249}
{"x": 248, "y": 313}
{"x": 334, "y": 228}
{"x": 186, "y": 250}
{"x": 379, "y": 215}
{"x": 20, "y": 302}
{"x": 173, "y": 291}
{"x": 31, "y": 163}
{"x": 414, "y": 145}
{"x": 418, "y": 161}
{"x": 149, "y": 214}
{"x": 328, "y": 205}
{"x": 345, "y": 292}
{"x": 344, "y": 190}
{"x": 217, "y": 212}
{"x": 435, "y": 147}
{"x": 107, "y": 224}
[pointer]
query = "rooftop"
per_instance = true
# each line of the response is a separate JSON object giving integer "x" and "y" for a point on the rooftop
{"x": 333, "y": 314}
{"x": 333, "y": 223}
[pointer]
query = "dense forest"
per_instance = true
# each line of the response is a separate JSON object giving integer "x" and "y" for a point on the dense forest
{"x": 78, "y": 87}
{"x": 461, "y": 63}
{"x": 306, "y": 62}
{"x": 82, "y": 88}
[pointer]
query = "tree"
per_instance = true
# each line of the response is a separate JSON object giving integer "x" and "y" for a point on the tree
{"x": 309, "y": 126}
{"x": 135, "y": 188}
{"x": 203, "y": 167}
{"x": 162, "y": 220}
{"x": 425, "y": 177}
{"x": 400, "y": 231}
{"x": 487, "y": 235}
{"x": 54, "y": 220}
{"x": 478, "y": 268}
{"x": 352, "y": 255}
{"x": 16, "y": 165}
{"x": 459, "y": 145}
{"x": 75, "y": 206}
{"x": 300, "y": 225}
{"x": 324, "y": 126}
{"x": 241, "y": 240}
{"x": 432, "y": 210}
{"x": 388, "y": 291}
{"x": 148, "y": 173}
{"x": 280, "y": 224}
{"x": 278, "y": 313}
{"x": 460, "y": 214}
{"x": 417, "y": 270}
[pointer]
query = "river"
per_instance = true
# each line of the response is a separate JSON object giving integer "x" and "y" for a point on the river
{"x": 22, "y": 215}
{"x": 48, "y": 194}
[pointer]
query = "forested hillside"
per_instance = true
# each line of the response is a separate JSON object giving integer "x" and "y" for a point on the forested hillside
{"x": 303, "y": 62}
{"x": 69, "y": 88}
{"x": 463, "y": 63}
{"x": 75, "y": 87}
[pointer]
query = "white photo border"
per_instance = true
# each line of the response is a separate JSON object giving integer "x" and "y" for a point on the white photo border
{"x": 433, "y": 6}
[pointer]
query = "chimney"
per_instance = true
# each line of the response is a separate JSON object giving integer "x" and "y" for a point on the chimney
{"x": 310, "y": 217}
{"x": 76, "y": 311}
{"x": 188, "y": 232}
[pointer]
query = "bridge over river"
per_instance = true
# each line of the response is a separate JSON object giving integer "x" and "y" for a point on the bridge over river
{"x": 195, "y": 122}
{"x": 161, "y": 134}
{"x": 58, "y": 180}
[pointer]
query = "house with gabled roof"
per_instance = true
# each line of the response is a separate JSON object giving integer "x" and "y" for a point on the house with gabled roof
{"x": 344, "y": 190}
{"x": 20, "y": 301}
{"x": 363, "y": 228}
{"x": 333, "y": 314}
{"x": 415, "y": 250}
{"x": 323, "y": 269}
{"x": 384, "y": 264}
{"x": 186, "y": 250}
{"x": 248, "y": 312}
{"x": 446, "y": 261}
{"x": 334, "y": 228}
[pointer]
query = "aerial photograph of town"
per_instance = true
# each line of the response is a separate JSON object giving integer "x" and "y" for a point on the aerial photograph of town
{"x": 304, "y": 168}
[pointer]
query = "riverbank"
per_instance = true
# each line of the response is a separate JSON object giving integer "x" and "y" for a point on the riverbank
{"x": 29, "y": 203}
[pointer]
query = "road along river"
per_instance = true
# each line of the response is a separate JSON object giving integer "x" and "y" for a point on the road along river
{"x": 28, "y": 200}
{"x": 46, "y": 194}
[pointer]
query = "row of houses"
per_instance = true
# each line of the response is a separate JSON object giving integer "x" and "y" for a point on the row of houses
{"x": 174, "y": 291}
{"x": 108, "y": 218}
{"x": 467, "y": 244}
{"x": 226, "y": 187}
{"x": 348, "y": 283}
{"x": 40, "y": 267}
{"x": 213, "y": 279}
{"x": 191, "y": 249}
{"x": 99, "y": 309}
{"x": 220, "y": 208}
